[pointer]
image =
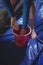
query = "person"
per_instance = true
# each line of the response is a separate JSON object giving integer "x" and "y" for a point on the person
{"x": 26, "y": 10}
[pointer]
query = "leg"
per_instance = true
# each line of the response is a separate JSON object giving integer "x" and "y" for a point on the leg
{"x": 27, "y": 5}
{"x": 7, "y": 5}
{"x": 26, "y": 10}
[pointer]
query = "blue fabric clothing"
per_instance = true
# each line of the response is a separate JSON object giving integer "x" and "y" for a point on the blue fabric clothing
{"x": 39, "y": 9}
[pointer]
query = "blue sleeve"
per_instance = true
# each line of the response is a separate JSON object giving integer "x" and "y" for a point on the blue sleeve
{"x": 7, "y": 5}
{"x": 26, "y": 10}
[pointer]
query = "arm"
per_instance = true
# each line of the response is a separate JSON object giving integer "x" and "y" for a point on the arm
{"x": 32, "y": 14}
{"x": 31, "y": 18}
{"x": 7, "y": 5}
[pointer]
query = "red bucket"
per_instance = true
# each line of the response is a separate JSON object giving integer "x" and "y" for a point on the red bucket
{"x": 22, "y": 40}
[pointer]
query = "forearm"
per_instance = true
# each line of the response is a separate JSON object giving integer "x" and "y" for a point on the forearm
{"x": 27, "y": 4}
{"x": 32, "y": 14}
{"x": 31, "y": 23}
{"x": 7, "y": 5}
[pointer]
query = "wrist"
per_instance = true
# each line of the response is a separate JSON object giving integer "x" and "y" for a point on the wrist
{"x": 13, "y": 17}
{"x": 32, "y": 29}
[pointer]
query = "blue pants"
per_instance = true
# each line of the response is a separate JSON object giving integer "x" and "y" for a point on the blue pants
{"x": 26, "y": 10}
{"x": 7, "y": 5}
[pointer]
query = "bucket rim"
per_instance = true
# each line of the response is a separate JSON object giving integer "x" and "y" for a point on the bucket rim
{"x": 25, "y": 34}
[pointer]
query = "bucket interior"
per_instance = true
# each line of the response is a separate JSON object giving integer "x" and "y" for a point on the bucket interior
{"x": 17, "y": 32}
